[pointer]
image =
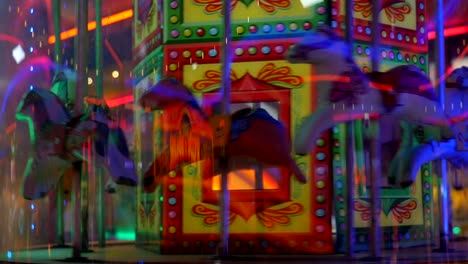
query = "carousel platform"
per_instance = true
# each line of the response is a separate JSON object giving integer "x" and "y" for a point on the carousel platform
{"x": 129, "y": 253}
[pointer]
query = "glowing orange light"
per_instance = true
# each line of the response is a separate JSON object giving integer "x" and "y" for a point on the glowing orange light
{"x": 244, "y": 179}
{"x": 92, "y": 25}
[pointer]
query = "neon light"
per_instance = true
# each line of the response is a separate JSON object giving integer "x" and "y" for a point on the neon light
{"x": 11, "y": 128}
{"x": 120, "y": 101}
{"x": 11, "y": 39}
{"x": 112, "y": 19}
{"x": 449, "y": 32}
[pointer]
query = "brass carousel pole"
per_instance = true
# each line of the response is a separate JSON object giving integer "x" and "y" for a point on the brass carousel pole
{"x": 100, "y": 94}
{"x": 80, "y": 239}
{"x": 58, "y": 60}
{"x": 349, "y": 145}
{"x": 444, "y": 188}
{"x": 375, "y": 146}
{"x": 224, "y": 196}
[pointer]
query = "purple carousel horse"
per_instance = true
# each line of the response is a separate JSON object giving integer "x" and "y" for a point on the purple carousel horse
{"x": 56, "y": 143}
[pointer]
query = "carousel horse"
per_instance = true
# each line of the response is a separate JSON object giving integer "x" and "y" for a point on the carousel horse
{"x": 254, "y": 134}
{"x": 345, "y": 93}
{"x": 406, "y": 165}
{"x": 56, "y": 143}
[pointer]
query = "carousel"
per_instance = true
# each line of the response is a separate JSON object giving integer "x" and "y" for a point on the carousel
{"x": 220, "y": 131}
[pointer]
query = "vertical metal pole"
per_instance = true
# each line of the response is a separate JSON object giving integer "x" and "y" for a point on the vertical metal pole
{"x": 375, "y": 145}
{"x": 226, "y": 90}
{"x": 350, "y": 145}
{"x": 100, "y": 95}
{"x": 80, "y": 240}
{"x": 444, "y": 193}
{"x": 58, "y": 61}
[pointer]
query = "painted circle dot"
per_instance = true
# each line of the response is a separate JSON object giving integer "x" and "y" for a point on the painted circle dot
{"x": 185, "y": 244}
{"x": 307, "y": 25}
{"x": 264, "y": 243}
{"x": 172, "y": 214}
{"x": 399, "y": 56}
{"x": 173, "y": 19}
{"x": 199, "y": 53}
{"x": 427, "y": 197}
{"x": 239, "y": 51}
{"x": 174, "y": 4}
{"x": 342, "y": 212}
{"x": 320, "y": 212}
{"x": 334, "y": 24}
{"x": 279, "y": 49}
{"x": 422, "y": 60}
{"x": 293, "y": 26}
{"x": 173, "y": 54}
{"x": 368, "y": 31}
{"x": 175, "y": 33}
{"x": 305, "y": 244}
{"x": 266, "y": 28}
{"x": 214, "y": 31}
{"x": 338, "y": 170}
{"x": 320, "y": 228}
{"x": 421, "y": 18}
{"x": 320, "y": 184}
{"x": 320, "y": 156}
{"x": 384, "y": 54}
{"x": 337, "y": 157}
{"x": 266, "y": 50}
{"x": 340, "y": 198}
{"x": 212, "y": 53}
{"x": 186, "y": 54}
{"x": 280, "y": 27}
{"x": 391, "y": 55}
{"x": 321, "y": 10}
{"x": 415, "y": 40}
{"x": 252, "y": 50}
{"x": 253, "y": 29}
{"x": 172, "y": 67}
{"x": 368, "y": 51}
{"x": 384, "y": 34}
{"x": 400, "y": 36}
{"x": 172, "y": 201}
{"x": 407, "y": 38}
{"x": 188, "y": 32}
{"x": 359, "y": 49}
{"x": 212, "y": 244}
{"x": 320, "y": 142}
{"x": 320, "y": 198}
{"x": 240, "y": 30}
{"x": 319, "y": 244}
{"x": 392, "y": 35}
{"x": 200, "y": 32}
{"x": 237, "y": 243}
{"x": 292, "y": 243}
{"x": 172, "y": 187}
{"x": 320, "y": 170}
{"x": 359, "y": 29}
{"x": 172, "y": 174}
{"x": 172, "y": 229}
{"x": 339, "y": 184}
{"x": 415, "y": 59}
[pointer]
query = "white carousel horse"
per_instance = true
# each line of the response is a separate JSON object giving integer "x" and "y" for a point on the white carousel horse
{"x": 345, "y": 93}
{"x": 406, "y": 165}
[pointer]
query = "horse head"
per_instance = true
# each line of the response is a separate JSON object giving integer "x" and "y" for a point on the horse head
{"x": 321, "y": 47}
{"x": 168, "y": 91}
